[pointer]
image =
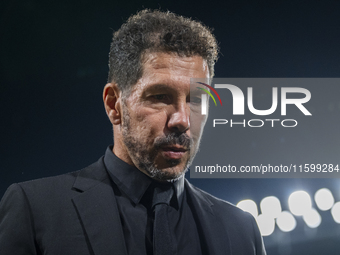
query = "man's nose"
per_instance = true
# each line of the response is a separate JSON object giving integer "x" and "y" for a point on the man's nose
{"x": 179, "y": 120}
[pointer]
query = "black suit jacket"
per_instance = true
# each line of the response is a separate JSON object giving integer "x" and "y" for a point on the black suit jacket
{"x": 76, "y": 213}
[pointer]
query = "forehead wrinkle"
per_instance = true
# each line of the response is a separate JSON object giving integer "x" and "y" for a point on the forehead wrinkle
{"x": 158, "y": 61}
{"x": 169, "y": 86}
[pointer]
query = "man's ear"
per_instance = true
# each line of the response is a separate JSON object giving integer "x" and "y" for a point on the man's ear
{"x": 112, "y": 103}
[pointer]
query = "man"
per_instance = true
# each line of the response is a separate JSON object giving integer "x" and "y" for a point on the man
{"x": 135, "y": 199}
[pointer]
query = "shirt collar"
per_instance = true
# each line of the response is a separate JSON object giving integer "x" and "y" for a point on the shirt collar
{"x": 131, "y": 180}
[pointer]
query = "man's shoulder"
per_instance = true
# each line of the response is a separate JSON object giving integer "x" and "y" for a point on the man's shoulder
{"x": 50, "y": 182}
{"x": 62, "y": 184}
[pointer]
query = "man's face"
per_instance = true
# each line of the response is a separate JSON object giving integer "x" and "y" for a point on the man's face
{"x": 156, "y": 130}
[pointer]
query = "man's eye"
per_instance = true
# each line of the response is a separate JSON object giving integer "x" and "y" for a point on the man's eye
{"x": 195, "y": 100}
{"x": 160, "y": 97}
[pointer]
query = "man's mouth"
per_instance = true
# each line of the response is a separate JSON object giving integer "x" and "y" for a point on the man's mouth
{"x": 173, "y": 151}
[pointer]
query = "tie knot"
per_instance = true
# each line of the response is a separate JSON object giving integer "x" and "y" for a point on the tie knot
{"x": 162, "y": 195}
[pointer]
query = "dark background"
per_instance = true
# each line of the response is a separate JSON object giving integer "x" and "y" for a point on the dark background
{"x": 53, "y": 66}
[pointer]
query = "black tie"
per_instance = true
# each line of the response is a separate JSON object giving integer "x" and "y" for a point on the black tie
{"x": 162, "y": 243}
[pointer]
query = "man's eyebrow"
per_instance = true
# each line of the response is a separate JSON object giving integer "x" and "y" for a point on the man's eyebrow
{"x": 195, "y": 92}
{"x": 158, "y": 86}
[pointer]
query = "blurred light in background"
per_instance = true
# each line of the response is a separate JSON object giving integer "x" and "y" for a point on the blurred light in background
{"x": 286, "y": 221}
{"x": 312, "y": 218}
{"x": 336, "y": 212}
{"x": 324, "y": 199}
{"x": 271, "y": 207}
{"x": 299, "y": 203}
{"x": 266, "y": 224}
{"x": 248, "y": 205}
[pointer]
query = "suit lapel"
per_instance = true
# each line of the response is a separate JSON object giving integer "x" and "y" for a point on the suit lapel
{"x": 97, "y": 209}
{"x": 98, "y": 212}
{"x": 214, "y": 238}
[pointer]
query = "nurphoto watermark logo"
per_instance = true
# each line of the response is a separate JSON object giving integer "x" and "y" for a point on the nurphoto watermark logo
{"x": 266, "y": 127}
{"x": 277, "y": 94}
{"x": 204, "y": 97}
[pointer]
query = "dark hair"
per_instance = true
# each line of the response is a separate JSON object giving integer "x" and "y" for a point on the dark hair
{"x": 156, "y": 31}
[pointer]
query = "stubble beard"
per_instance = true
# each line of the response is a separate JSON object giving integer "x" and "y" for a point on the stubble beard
{"x": 145, "y": 160}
